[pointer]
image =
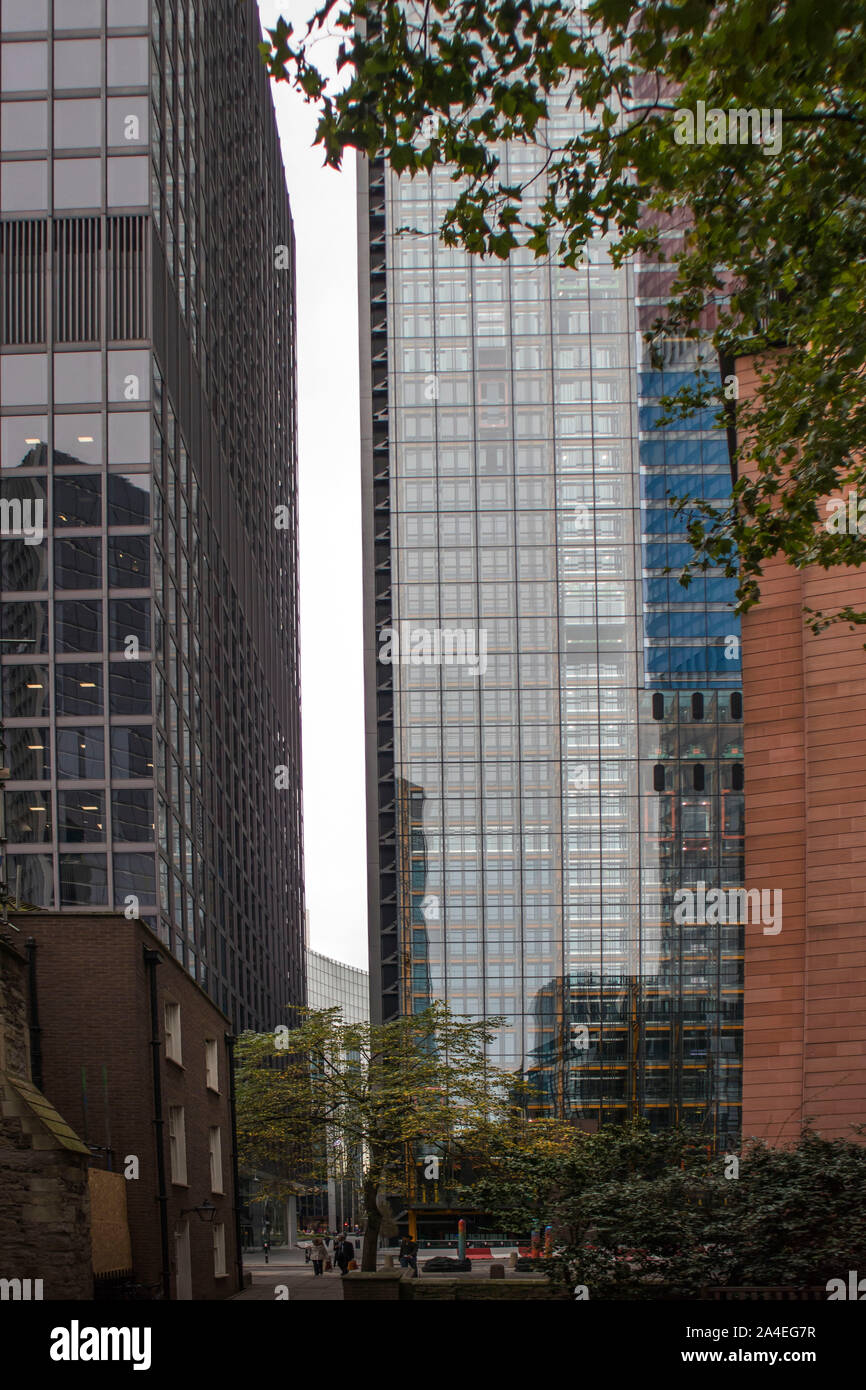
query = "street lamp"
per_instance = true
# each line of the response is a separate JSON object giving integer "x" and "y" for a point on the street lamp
{"x": 206, "y": 1212}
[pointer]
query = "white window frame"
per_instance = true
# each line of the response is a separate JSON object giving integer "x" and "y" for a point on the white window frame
{"x": 211, "y": 1064}
{"x": 215, "y": 1149}
{"x": 171, "y": 1021}
{"x": 177, "y": 1145}
{"x": 220, "y": 1268}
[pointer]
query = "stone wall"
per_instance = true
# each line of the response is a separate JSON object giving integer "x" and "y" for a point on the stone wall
{"x": 389, "y": 1285}
{"x": 44, "y": 1199}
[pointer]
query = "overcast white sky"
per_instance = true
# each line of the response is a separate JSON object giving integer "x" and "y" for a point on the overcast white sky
{"x": 323, "y": 208}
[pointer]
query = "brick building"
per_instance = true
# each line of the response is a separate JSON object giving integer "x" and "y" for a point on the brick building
{"x": 44, "y": 1200}
{"x": 103, "y": 986}
{"x": 805, "y": 754}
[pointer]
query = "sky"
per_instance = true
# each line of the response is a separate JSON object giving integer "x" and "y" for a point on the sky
{"x": 332, "y": 698}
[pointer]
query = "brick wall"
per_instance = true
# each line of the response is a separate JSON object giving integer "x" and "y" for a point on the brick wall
{"x": 804, "y": 701}
{"x": 94, "y": 1005}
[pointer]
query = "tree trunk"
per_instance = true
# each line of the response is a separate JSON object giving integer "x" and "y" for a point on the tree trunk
{"x": 372, "y": 1227}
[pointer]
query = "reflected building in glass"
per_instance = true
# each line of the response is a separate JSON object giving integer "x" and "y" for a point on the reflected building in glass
{"x": 531, "y": 815}
{"x": 147, "y": 383}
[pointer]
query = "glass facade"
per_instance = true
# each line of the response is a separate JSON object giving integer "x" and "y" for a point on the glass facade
{"x": 535, "y": 810}
{"x": 333, "y": 984}
{"x": 150, "y": 687}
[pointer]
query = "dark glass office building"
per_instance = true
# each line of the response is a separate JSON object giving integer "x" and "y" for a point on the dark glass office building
{"x": 149, "y": 553}
{"x": 553, "y": 723}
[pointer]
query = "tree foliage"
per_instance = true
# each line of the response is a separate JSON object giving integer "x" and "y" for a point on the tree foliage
{"x": 640, "y": 1215}
{"x": 327, "y": 1088}
{"x": 768, "y": 262}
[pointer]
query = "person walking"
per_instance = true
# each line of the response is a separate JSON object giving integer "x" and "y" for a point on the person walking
{"x": 318, "y": 1255}
{"x": 343, "y": 1253}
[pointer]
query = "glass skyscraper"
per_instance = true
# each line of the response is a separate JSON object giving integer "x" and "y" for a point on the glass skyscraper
{"x": 147, "y": 385}
{"x": 553, "y": 722}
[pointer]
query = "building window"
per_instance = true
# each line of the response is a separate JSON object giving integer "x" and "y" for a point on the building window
{"x": 177, "y": 1144}
{"x": 219, "y": 1250}
{"x": 172, "y": 1031}
{"x": 211, "y": 1061}
{"x": 216, "y": 1159}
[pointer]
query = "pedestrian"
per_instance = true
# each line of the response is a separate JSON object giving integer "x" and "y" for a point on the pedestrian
{"x": 409, "y": 1254}
{"x": 344, "y": 1253}
{"x": 318, "y": 1255}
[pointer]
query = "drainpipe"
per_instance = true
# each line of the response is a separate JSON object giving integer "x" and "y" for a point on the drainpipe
{"x": 152, "y": 960}
{"x": 35, "y": 1030}
{"x": 239, "y": 1256}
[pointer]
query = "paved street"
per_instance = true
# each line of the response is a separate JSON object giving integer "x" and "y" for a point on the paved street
{"x": 287, "y": 1268}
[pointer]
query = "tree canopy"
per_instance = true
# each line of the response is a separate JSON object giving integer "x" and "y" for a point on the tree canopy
{"x": 641, "y": 1215}
{"x": 309, "y": 1096}
{"x": 762, "y": 236}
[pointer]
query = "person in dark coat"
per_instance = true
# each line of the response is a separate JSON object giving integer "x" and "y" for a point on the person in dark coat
{"x": 343, "y": 1253}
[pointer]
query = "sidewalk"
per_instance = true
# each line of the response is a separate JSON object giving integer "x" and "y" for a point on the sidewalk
{"x": 288, "y": 1269}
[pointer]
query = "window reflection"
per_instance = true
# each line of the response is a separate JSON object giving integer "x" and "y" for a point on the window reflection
{"x": 77, "y": 63}
{"x": 77, "y": 500}
{"x": 79, "y": 689}
{"x": 78, "y": 562}
{"x": 78, "y": 625}
{"x": 129, "y": 436}
{"x": 31, "y": 878}
{"x": 134, "y": 873}
{"x": 77, "y": 377}
{"x": 23, "y": 441}
{"x": 23, "y": 125}
{"x": 26, "y": 691}
{"x": 28, "y": 816}
{"x": 23, "y": 628}
{"x": 130, "y": 687}
{"x": 129, "y": 618}
{"x": 83, "y": 880}
{"x": 78, "y": 14}
{"x": 132, "y": 814}
{"x": 129, "y": 499}
{"x": 131, "y": 752}
{"x": 81, "y": 816}
{"x": 29, "y": 753}
{"x": 81, "y": 753}
{"x": 77, "y": 439}
{"x": 78, "y": 124}
{"x": 23, "y": 567}
{"x": 23, "y": 66}
{"x": 24, "y": 378}
{"x": 129, "y": 562}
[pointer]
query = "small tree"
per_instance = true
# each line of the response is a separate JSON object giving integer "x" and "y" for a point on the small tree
{"x": 308, "y": 1095}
